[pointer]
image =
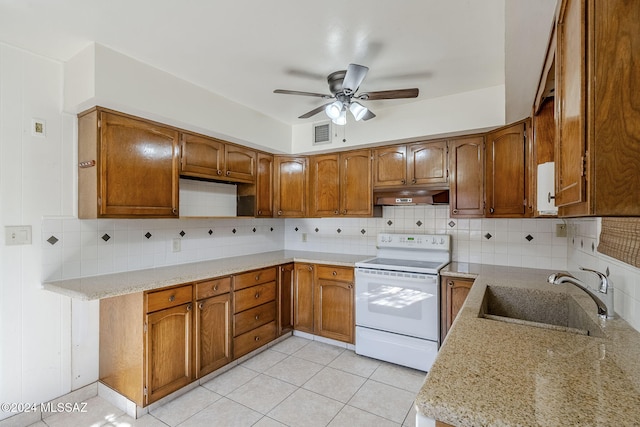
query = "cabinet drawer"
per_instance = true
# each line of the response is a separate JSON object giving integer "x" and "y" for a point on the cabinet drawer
{"x": 335, "y": 273}
{"x": 256, "y": 277}
{"x": 251, "y": 340}
{"x": 254, "y": 296}
{"x": 168, "y": 298}
{"x": 213, "y": 287}
{"x": 252, "y": 318}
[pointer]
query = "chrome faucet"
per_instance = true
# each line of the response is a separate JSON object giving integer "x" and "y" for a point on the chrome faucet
{"x": 605, "y": 308}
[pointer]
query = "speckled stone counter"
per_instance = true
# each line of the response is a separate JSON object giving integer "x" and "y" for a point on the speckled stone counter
{"x": 491, "y": 373}
{"x": 110, "y": 285}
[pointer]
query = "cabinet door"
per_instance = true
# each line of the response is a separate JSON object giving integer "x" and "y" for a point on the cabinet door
{"x": 334, "y": 310}
{"x": 201, "y": 157}
{"x": 390, "y": 166}
{"x": 240, "y": 163}
{"x": 571, "y": 105}
{"x": 456, "y": 293}
{"x": 466, "y": 169}
{"x": 138, "y": 168}
{"x": 285, "y": 298}
{"x": 290, "y": 186}
{"x": 324, "y": 185}
{"x": 168, "y": 351}
{"x": 505, "y": 172}
{"x": 213, "y": 334}
{"x": 303, "y": 298}
{"x": 356, "y": 193}
{"x": 427, "y": 163}
{"x": 264, "y": 186}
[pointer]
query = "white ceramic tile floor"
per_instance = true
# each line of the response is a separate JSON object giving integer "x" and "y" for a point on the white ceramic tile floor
{"x": 297, "y": 382}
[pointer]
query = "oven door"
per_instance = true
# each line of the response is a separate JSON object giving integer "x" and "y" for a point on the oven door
{"x": 398, "y": 302}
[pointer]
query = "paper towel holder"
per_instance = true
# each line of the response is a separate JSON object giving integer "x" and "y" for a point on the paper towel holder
{"x": 550, "y": 197}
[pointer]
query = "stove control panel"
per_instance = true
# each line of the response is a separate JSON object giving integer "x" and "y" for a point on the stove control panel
{"x": 417, "y": 241}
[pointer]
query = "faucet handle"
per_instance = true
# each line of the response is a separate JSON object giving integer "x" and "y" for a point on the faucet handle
{"x": 604, "y": 280}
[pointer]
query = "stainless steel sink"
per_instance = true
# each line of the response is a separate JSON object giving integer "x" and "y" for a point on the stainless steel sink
{"x": 542, "y": 309}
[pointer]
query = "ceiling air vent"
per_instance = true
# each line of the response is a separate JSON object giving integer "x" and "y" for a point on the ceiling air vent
{"x": 322, "y": 133}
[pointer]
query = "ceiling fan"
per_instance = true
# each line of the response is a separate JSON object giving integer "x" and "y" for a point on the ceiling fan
{"x": 343, "y": 86}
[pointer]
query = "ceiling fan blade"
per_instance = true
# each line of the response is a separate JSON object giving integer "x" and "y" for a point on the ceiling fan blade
{"x": 390, "y": 94}
{"x": 368, "y": 116}
{"x": 314, "y": 111}
{"x": 354, "y": 77}
{"x": 297, "y": 92}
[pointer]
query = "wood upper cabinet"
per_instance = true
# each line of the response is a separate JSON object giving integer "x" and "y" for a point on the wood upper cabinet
{"x": 597, "y": 155}
{"x": 136, "y": 167}
{"x": 290, "y": 186}
{"x": 390, "y": 166}
{"x": 466, "y": 169}
{"x": 421, "y": 163}
{"x": 427, "y": 163}
{"x": 201, "y": 157}
{"x": 340, "y": 184}
{"x": 168, "y": 343}
{"x": 506, "y": 169}
{"x": 264, "y": 186}
{"x": 303, "y": 278}
{"x": 334, "y": 303}
{"x": 205, "y": 157}
{"x": 285, "y": 298}
{"x": 453, "y": 292}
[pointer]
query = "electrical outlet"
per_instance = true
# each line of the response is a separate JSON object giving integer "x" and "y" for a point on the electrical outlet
{"x": 177, "y": 245}
{"x": 304, "y": 237}
{"x": 38, "y": 127}
{"x": 561, "y": 230}
{"x": 17, "y": 235}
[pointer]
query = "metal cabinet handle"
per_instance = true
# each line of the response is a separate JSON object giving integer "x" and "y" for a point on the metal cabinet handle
{"x": 172, "y": 298}
{"x": 215, "y": 287}
{"x": 256, "y": 339}
{"x": 404, "y": 181}
{"x": 335, "y": 273}
{"x": 450, "y": 283}
{"x": 228, "y": 173}
{"x": 279, "y": 212}
{"x": 257, "y": 295}
{"x": 491, "y": 210}
{"x": 219, "y": 172}
{"x": 310, "y": 268}
{"x": 257, "y": 277}
{"x": 350, "y": 286}
{"x": 413, "y": 181}
{"x": 259, "y": 212}
{"x": 174, "y": 211}
{"x": 336, "y": 212}
{"x": 189, "y": 307}
{"x": 455, "y": 211}
{"x": 201, "y": 305}
{"x": 344, "y": 212}
{"x": 257, "y": 316}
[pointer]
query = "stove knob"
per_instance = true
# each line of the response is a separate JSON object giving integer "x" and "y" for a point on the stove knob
{"x": 433, "y": 241}
{"x": 442, "y": 240}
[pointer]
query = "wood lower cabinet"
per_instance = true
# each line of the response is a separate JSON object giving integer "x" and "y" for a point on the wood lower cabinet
{"x": 168, "y": 344}
{"x": 212, "y": 325}
{"x": 324, "y": 301}
{"x": 255, "y": 310}
{"x": 303, "y": 297}
{"x": 285, "y": 298}
{"x": 128, "y": 167}
{"x": 466, "y": 171}
{"x": 334, "y": 303}
{"x": 506, "y": 169}
{"x": 290, "y": 186}
{"x": 453, "y": 293}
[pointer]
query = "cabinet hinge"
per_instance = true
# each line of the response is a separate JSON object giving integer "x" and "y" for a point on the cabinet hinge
{"x": 583, "y": 172}
{"x": 99, "y": 123}
{"x": 145, "y": 327}
{"x": 144, "y": 390}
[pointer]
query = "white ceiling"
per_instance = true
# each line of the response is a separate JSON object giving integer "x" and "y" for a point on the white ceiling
{"x": 244, "y": 49}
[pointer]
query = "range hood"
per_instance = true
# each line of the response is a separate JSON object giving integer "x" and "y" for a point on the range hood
{"x": 411, "y": 196}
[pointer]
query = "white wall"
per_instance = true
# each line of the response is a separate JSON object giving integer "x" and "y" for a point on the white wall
{"x": 36, "y": 179}
{"x": 459, "y": 113}
{"x": 101, "y": 76}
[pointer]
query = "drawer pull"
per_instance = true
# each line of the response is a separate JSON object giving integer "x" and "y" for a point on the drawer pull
{"x": 215, "y": 287}
{"x": 309, "y": 268}
{"x": 256, "y": 339}
{"x": 257, "y": 277}
{"x": 335, "y": 273}
{"x": 257, "y": 295}
{"x": 257, "y": 316}
{"x": 172, "y": 298}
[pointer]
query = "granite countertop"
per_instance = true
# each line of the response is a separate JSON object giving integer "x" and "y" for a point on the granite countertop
{"x": 110, "y": 285}
{"x": 492, "y": 373}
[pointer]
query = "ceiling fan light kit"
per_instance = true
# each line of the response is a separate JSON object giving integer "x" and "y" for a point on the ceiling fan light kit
{"x": 343, "y": 85}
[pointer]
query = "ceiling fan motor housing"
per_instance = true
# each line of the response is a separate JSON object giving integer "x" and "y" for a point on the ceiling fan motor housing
{"x": 335, "y": 80}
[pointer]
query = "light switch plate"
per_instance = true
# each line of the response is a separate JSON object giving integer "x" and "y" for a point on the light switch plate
{"x": 17, "y": 235}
